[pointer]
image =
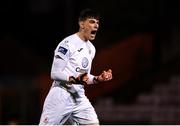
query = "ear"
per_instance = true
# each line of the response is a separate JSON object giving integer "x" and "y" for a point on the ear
{"x": 81, "y": 24}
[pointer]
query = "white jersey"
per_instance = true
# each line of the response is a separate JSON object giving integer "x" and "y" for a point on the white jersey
{"x": 72, "y": 57}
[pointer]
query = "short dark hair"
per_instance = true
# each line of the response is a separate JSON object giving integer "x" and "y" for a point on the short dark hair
{"x": 88, "y": 13}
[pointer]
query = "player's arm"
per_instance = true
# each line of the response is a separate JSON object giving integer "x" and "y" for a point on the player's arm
{"x": 104, "y": 76}
{"x": 57, "y": 70}
{"x": 91, "y": 79}
{"x": 59, "y": 63}
{"x": 81, "y": 79}
{"x": 61, "y": 57}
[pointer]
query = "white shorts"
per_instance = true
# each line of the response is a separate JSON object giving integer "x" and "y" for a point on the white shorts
{"x": 59, "y": 106}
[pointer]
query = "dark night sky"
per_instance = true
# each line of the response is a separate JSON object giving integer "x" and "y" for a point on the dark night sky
{"x": 39, "y": 25}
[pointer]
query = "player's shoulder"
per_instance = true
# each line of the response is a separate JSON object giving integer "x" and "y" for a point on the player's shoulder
{"x": 92, "y": 48}
{"x": 91, "y": 45}
{"x": 70, "y": 37}
{"x": 67, "y": 43}
{"x": 69, "y": 40}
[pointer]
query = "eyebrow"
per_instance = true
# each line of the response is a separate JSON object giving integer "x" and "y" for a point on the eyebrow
{"x": 93, "y": 20}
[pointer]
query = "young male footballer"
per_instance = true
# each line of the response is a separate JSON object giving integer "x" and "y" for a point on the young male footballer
{"x": 71, "y": 70}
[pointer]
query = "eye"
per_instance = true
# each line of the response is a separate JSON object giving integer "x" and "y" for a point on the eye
{"x": 92, "y": 21}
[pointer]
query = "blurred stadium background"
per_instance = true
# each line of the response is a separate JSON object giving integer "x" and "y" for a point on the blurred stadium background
{"x": 138, "y": 40}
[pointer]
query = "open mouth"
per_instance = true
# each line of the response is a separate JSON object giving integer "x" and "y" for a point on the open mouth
{"x": 93, "y": 32}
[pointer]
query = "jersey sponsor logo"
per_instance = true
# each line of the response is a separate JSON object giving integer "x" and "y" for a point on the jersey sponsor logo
{"x": 81, "y": 70}
{"x": 85, "y": 62}
{"x": 62, "y": 50}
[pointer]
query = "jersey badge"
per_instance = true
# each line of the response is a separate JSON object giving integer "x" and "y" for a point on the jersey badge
{"x": 85, "y": 62}
{"x": 62, "y": 50}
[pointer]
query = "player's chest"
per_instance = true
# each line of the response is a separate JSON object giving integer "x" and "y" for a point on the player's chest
{"x": 82, "y": 56}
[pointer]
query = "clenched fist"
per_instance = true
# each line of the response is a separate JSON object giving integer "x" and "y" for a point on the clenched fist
{"x": 104, "y": 76}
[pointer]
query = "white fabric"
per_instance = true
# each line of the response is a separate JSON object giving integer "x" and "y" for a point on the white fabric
{"x": 80, "y": 112}
{"x": 76, "y": 59}
{"x": 71, "y": 58}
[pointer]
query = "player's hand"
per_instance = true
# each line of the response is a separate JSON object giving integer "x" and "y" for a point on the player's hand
{"x": 81, "y": 79}
{"x": 105, "y": 76}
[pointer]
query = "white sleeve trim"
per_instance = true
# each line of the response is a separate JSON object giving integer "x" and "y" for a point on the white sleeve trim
{"x": 91, "y": 79}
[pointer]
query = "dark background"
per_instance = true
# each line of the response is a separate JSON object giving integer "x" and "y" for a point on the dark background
{"x": 31, "y": 30}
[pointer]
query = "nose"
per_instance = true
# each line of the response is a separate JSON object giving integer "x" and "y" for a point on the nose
{"x": 96, "y": 25}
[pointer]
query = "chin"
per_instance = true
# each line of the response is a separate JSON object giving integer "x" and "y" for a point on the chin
{"x": 91, "y": 38}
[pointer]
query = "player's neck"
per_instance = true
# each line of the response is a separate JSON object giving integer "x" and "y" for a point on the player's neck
{"x": 82, "y": 36}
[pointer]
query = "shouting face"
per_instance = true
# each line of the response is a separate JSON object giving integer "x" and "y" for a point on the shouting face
{"x": 88, "y": 28}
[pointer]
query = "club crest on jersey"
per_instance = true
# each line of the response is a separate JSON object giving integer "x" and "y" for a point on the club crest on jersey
{"x": 62, "y": 50}
{"x": 85, "y": 62}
